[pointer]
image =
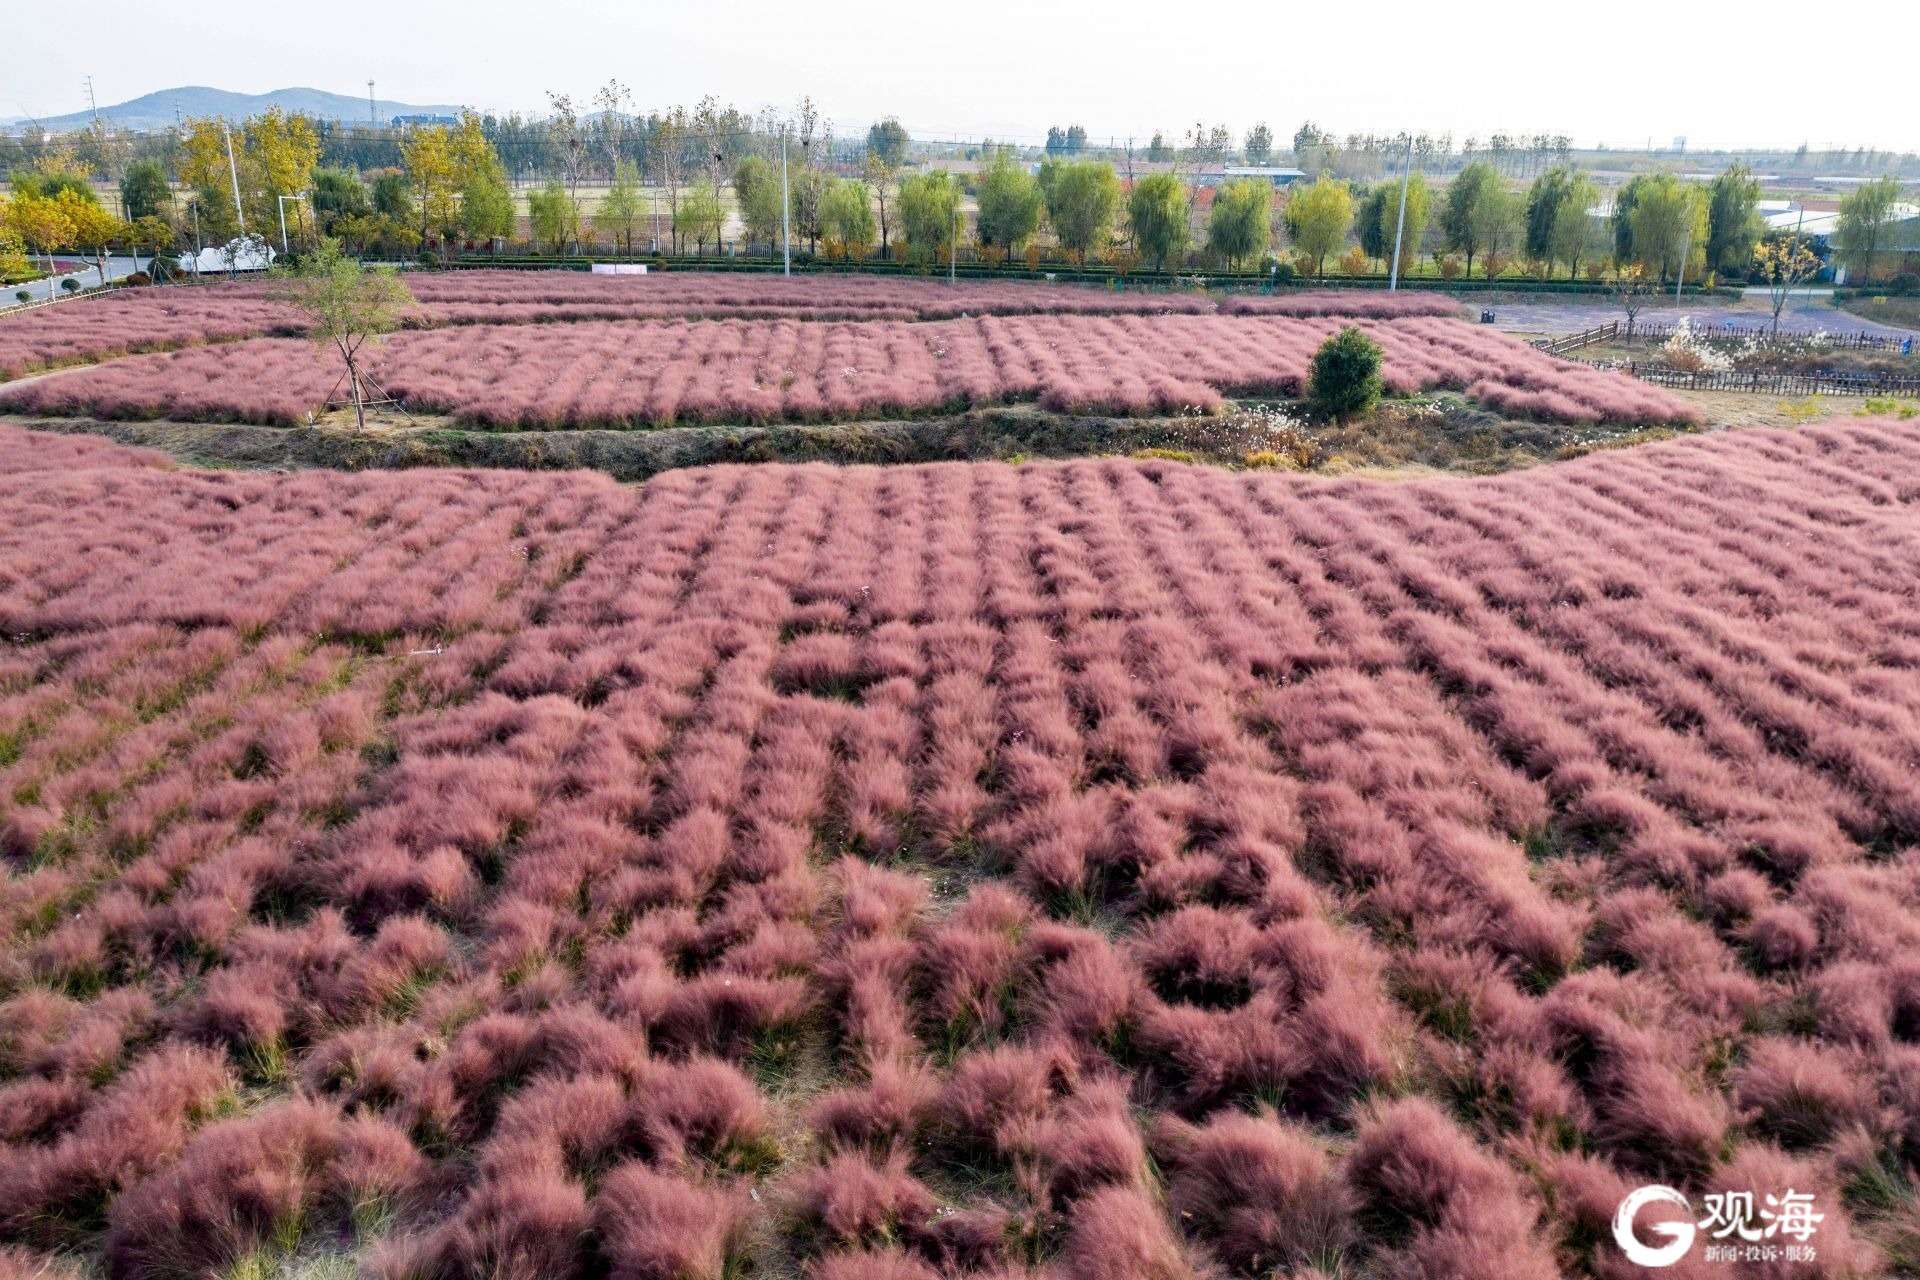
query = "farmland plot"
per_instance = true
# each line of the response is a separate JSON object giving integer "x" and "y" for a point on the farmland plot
{"x": 1093, "y": 870}
{"x": 632, "y": 373}
{"x": 165, "y": 319}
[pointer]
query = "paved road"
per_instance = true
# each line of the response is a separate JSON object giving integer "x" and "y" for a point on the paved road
{"x": 118, "y": 268}
{"x": 1803, "y": 314}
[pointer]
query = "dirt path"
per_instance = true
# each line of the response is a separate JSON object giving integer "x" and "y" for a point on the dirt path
{"x": 1725, "y": 409}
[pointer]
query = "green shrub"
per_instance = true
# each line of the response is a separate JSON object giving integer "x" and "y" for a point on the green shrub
{"x": 70, "y": 285}
{"x": 21, "y": 295}
{"x": 1887, "y": 407}
{"x": 1345, "y": 380}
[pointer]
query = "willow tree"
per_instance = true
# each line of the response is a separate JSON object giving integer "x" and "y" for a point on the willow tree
{"x": 1157, "y": 216}
{"x": 1081, "y": 201}
{"x": 929, "y": 213}
{"x": 1866, "y": 215}
{"x": 1669, "y": 225}
{"x": 846, "y": 217}
{"x": 1318, "y": 218}
{"x": 346, "y": 305}
{"x": 1241, "y": 223}
{"x": 1010, "y": 203}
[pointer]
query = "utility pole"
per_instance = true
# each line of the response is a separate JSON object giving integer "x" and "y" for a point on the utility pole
{"x": 1799, "y": 223}
{"x": 786, "y": 235}
{"x": 91, "y": 103}
{"x": 1400, "y": 223}
{"x": 953, "y": 246}
{"x": 1686, "y": 247}
{"x": 233, "y": 171}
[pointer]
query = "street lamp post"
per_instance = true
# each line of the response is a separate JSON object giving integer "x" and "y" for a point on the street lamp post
{"x": 233, "y": 172}
{"x": 1400, "y": 224}
{"x": 1686, "y": 247}
{"x": 282, "y": 202}
{"x": 786, "y": 234}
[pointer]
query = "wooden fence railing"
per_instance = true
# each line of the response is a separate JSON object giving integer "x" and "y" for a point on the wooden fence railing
{"x": 1585, "y": 338}
{"x": 1762, "y": 383}
{"x": 1655, "y": 334}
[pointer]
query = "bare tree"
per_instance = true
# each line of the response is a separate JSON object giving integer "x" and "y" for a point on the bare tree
{"x": 616, "y": 114}
{"x": 878, "y": 176}
{"x": 670, "y": 135}
{"x": 710, "y": 126}
{"x": 570, "y": 140}
{"x": 1630, "y": 290}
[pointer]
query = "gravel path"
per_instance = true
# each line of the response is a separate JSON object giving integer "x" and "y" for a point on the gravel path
{"x": 1802, "y": 315}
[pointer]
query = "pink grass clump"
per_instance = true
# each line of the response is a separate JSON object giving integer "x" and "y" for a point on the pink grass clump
{"x": 656, "y": 1226}
{"x": 243, "y": 1184}
{"x": 1456, "y": 1211}
{"x": 1264, "y": 1194}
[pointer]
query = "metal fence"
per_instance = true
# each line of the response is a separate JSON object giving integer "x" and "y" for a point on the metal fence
{"x": 1774, "y": 384}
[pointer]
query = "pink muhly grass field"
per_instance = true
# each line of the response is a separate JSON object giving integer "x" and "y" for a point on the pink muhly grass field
{"x": 158, "y": 319}
{"x": 1106, "y": 869}
{"x": 639, "y": 373}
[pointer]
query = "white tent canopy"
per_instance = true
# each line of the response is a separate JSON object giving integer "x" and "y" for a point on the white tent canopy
{"x": 247, "y": 253}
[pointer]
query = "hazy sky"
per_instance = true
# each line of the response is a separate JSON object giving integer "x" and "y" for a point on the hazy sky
{"x": 1013, "y": 68}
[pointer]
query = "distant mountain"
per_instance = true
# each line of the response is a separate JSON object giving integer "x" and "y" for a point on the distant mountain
{"x": 158, "y": 110}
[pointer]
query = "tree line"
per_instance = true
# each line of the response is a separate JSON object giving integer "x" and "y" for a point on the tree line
{"x": 451, "y": 185}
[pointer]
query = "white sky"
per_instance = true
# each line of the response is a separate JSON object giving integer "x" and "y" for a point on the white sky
{"x": 1012, "y": 67}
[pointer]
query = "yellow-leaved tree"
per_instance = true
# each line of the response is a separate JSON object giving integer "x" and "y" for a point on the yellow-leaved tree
{"x": 14, "y": 264}
{"x": 427, "y": 157}
{"x": 273, "y": 156}
{"x": 92, "y": 226}
{"x": 201, "y": 163}
{"x": 280, "y": 152}
{"x": 457, "y": 181}
{"x": 41, "y": 224}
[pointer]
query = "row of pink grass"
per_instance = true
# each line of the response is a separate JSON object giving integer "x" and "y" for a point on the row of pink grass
{"x": 627, "y": 373}
{"x": 167, "y": 318}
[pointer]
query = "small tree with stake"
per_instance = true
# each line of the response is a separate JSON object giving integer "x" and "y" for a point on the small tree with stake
{"x": 1786, "y": 264}
{"x": 1345, "y": 381}
{"x": 345, "y": 304}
